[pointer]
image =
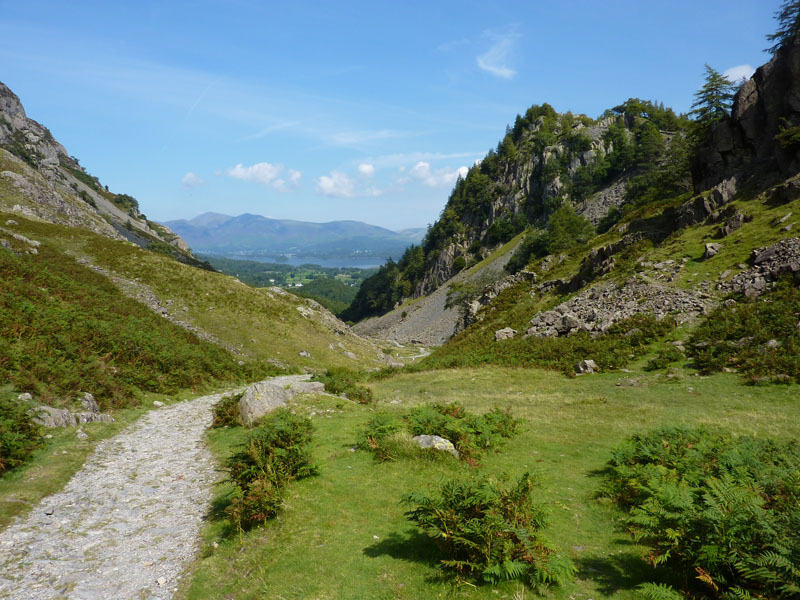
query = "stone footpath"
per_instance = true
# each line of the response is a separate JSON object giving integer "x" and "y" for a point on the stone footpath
{"x": 127, "y": 523}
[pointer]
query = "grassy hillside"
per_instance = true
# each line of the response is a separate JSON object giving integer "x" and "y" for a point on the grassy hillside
{"x": 343, "y": 534}
{"x": 65, "y": 328}
{"x": 516, "y": 306}
{"x": 254, "y": 324}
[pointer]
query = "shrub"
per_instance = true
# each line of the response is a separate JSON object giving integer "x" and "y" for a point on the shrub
{"x": 386, "y": 435}
{"x": 275, "y": 454}
{"x": 19, "y": 435}
{"x": 340, "y": 380}
{"x": 226, "y": 411}
{"x": 665, "y": 357}
{"x": 723, "y": 512}
{"x": 738, "y": 336}
{"x": 490, "y": 532}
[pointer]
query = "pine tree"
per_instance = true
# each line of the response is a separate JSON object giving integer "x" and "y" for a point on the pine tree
{"x": 712, "y": 101}
{"x": 788, "y": 18}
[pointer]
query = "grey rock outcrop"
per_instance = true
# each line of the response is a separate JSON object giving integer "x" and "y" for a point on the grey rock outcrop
{"x": 595, "y": 310}
{"x": 265, "y": 396}
{"x": 55, "y": 187}
{"x": 747, "y": 144}
{"x": 436, "y": 442}
{"x": 506, "y": 333}
{"x": 712, "y": 249}
{"x": 259, "y": 399}
{"x": 48, "y": 416}
{"x": 586, "y": 366}
{"x": 769, "y": 263}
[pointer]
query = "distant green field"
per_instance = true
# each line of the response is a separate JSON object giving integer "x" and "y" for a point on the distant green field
{"x": 334, "y": 288}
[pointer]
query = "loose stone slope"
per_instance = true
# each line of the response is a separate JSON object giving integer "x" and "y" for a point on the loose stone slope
{"x": 126, "y": 523}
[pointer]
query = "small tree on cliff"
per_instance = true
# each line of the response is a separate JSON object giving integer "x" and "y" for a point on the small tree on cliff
{"x": 712, "y": 102}
{"x": 788, "y": 17}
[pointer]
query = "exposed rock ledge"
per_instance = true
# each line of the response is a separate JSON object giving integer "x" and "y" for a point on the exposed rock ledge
{"x": 597, "y": 309}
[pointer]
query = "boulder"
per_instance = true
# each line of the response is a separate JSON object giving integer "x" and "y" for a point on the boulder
{"x": 586, "y": 366}
{"x": 712, "y": 249}
{"x": 436, "y": 442}
{"x": 734, "y": 223}
{"x": 305, "y": 387}
{"x": 259, "y": 399}
{"x": 304, "y": 354}
{"x": 567, "y": 323}
{"x": 47, "y": 416}
{"x": 26, "y": 397}
{"x": 89, "y": 403}
{"x": 506, "y": 333}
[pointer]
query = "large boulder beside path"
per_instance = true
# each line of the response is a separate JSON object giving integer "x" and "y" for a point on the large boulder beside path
{"x": 265, "y": 396}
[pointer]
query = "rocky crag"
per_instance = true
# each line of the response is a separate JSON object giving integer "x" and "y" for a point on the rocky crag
{"x": 39, "y": 179}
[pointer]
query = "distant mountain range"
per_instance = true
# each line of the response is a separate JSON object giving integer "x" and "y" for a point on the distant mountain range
{"x": 256, "y": 235}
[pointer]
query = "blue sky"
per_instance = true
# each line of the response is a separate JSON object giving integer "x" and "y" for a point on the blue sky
{"x": 349, "y": 110}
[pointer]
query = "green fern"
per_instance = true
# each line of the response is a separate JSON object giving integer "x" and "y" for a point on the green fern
{"x": 658, "y": 591}
{"x": 490, "y": 532}
{"x": 723, "y": 511}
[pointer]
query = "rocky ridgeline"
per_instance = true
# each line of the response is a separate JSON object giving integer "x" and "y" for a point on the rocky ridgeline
{"x": 769, "y": 263}
{"x": 597, "y": 309}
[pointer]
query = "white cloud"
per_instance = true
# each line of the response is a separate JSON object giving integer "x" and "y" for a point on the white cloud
{"x": 266, "y": 174}
{"x": 336, "y": 184}
{"x": 366, "y": 170}
{"x": 436, "y": 178}
{"x": 262, "y": 172}
{"x": 739, "y": 72}
{"x": 191, "y": 180}
{"x": 494, "y": 60}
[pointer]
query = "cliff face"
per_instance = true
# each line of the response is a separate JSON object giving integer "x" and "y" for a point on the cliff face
{"x": 533, "y": 178}
{"x": 39, "y": 179}
{"x": 749, "y": 145}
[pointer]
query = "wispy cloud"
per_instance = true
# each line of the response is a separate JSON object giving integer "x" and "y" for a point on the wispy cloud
{"x": 366, "y": 170}
{"x": 495, "y": 60}
{"x": 356, "y": 138}
{"x": 739, "y": 72}
{"x": 191, "y": 180}
{"x": 270, "y": 129}
{"x": 266, "y": 174}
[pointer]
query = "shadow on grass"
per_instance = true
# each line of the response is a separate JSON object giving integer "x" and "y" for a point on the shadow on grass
{"x": 218, "y": 513}
{"x": 411, "y": 546}
{"x": 615, "y": 573}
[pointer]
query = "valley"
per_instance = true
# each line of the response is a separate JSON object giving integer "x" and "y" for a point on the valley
{"x": 579, "y": 382}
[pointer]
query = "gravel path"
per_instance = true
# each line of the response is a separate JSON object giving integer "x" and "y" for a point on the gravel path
{"x": 127, "y": 522}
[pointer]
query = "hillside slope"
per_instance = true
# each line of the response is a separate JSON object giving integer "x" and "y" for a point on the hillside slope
{"x": 433, "y": 319}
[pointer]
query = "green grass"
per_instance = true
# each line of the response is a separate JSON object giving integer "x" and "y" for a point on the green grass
{"x": 343, "y": 534}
